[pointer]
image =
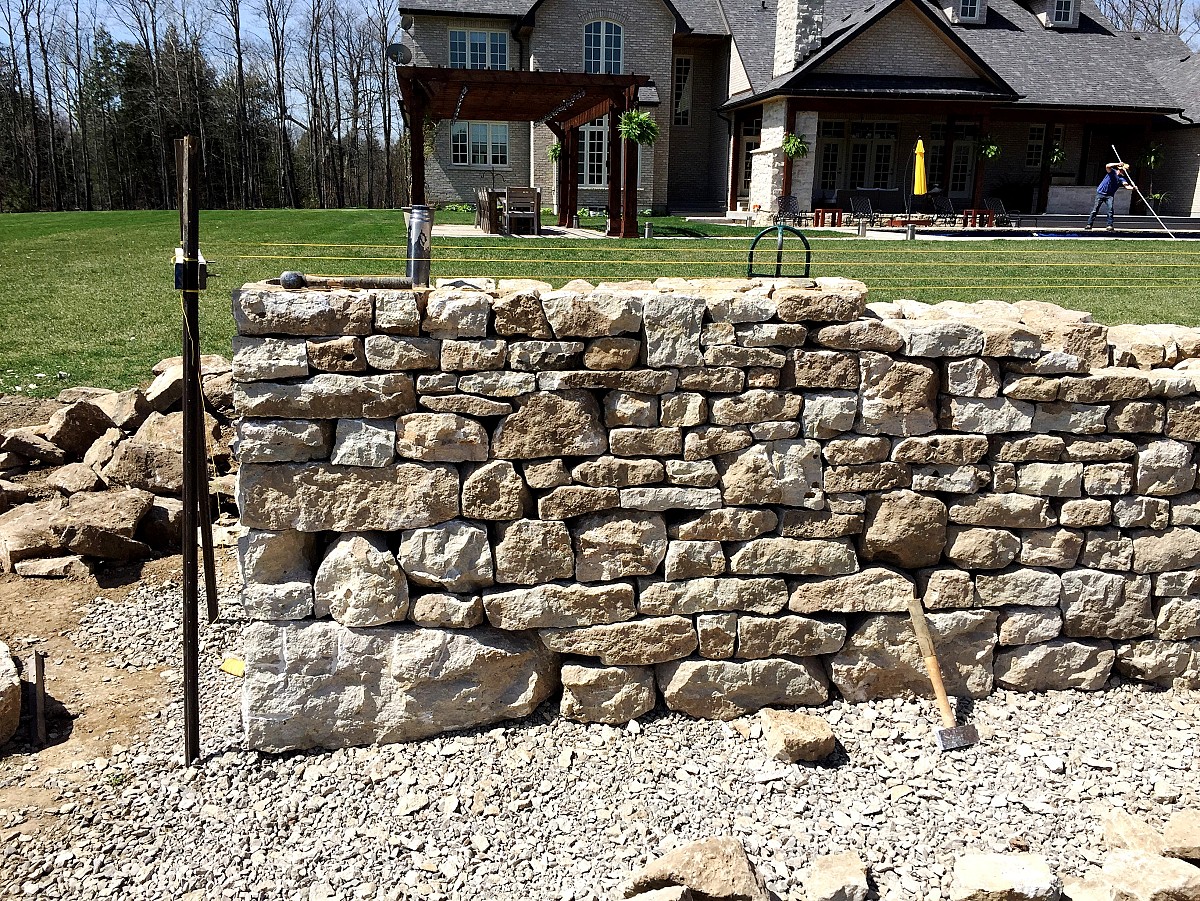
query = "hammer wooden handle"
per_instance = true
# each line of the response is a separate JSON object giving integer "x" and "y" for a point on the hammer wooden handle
{"x": 925, "y": 643}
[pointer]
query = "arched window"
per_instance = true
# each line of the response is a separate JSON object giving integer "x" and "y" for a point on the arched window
{"x": 603, "y": 48}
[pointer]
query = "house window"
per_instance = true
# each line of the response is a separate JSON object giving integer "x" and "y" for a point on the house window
{"x": 1036, "y": 148}
{"x": 856, "y": 155}
{"x": 830, "y": 158}
{"x": 479, "y": 144}
{"x": 593, "y": 168}
{"x": 968, "y": 9}
{"x": 478, "y": 49}
{"x": 683, "y": 90}
{"x": 1062, "y": 11}
{"x": 603, "y": 44}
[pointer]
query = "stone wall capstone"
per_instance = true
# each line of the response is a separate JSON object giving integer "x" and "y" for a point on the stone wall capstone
{"x": 719, "y": 493}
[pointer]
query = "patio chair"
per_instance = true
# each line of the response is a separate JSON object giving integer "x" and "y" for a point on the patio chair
{"x": 1005, "y": 217}
{"x": 487, "y": 214}
{"x": 861, "y": 209}
{"x": 943, "y": 209}
{"x": 788, "y": 212}
{"x": 523, "y": 205}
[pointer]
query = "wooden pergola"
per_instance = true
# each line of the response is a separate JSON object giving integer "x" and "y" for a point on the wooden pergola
{"x": 563, "y": 101}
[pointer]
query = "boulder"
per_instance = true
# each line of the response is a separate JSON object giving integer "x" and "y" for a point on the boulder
{"x": 75, "y": 427}
{"x": 359, "y": 582}
{"x": 10, "y": 696}
{"x": 715, "y": 868}
{"x": 305, "y": 683}
{"x": 981, "y": 876}
{"x": 881, "y": 659}
{"x": 836, "y": 877}
{"x": 727, "y": 689}
{"x": 1138, "y": 876}
{"x": 792, "y": 736}
{"x": 606, "y": 694}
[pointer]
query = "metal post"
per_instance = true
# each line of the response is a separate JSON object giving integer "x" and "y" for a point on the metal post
{"x": 189, "y": 217}
{"x": 862, "y": 228}
{"x": 39, "y": 699}
{"x": 910, "y": 232}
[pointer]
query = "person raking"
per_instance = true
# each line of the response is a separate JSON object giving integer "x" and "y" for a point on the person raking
{"x": 1114, "y": 179}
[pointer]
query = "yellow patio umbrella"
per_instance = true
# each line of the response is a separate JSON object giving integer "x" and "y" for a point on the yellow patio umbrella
{"x": 919, "y": 186}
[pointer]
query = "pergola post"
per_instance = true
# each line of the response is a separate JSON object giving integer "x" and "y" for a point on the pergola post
{"x": 985, "y": 124}
{"x": 572, "y": 168}
{"x": 789, "y": 125}
{"x": 559, "y": 168}
{"x": 1043, "y": 195}
{"x": 416, "y": 145}
{"x": 614, "y": 175}
{"x": 629, "y": 178}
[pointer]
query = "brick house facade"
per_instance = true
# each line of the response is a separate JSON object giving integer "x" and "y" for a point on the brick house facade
{"x": 1050, "y": 83}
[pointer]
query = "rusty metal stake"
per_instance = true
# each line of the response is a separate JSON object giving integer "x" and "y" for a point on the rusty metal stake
{"x": 38, "y": 725}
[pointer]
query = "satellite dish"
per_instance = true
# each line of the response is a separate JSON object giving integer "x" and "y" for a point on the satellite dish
{"x": 399, "y": 54}
{"x": 407, "y": 22}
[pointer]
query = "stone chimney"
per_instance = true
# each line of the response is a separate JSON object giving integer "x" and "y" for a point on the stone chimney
{"x": 797, "y": 32}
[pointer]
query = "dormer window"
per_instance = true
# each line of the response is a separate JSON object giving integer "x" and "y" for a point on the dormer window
{"x": 966, "y": 12}
{"x": 968, "y": 9}
{"x": 1062, "y": 11}
{"x": 1056, "y": 13}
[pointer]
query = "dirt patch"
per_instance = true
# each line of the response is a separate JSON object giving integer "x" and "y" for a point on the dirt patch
{"x": 17, "y": 412}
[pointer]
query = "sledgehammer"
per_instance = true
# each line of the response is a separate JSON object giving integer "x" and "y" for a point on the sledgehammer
{"x": 951, "y": 736}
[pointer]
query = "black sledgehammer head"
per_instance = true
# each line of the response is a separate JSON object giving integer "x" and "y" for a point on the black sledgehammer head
{"x": 957, "y": 737}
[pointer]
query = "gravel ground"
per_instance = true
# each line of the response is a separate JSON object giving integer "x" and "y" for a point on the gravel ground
{"x": 560, "y": 810}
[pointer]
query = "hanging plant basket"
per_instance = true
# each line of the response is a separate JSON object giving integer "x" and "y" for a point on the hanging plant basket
{"x": 638, "y": 127}
{"x": 795, "y": 145}
{"x": 989, "y": 149}
{"x": 554, "y": 151}
{"x": 1058, "y": 156}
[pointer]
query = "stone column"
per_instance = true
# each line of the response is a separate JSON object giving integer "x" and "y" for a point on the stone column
{"x": 766, "y": 173}
{"x": 804, "y": 168}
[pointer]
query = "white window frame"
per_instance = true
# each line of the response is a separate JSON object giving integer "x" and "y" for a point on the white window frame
{"x": 609, "y": 51}
{"x": 594, "y": 137}
{"x": 681, "y": 91}
{"x": 1036, "y": 149}
{"x": 491, "y": 56}
{"x": 464, "y": 134}
{"x": 1057, "y": 6}
{"x": 968, "y": 9}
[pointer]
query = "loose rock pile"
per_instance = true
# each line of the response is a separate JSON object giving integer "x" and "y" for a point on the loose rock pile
{"x": 113, "y": 465}
{"x": 721, "y": 491}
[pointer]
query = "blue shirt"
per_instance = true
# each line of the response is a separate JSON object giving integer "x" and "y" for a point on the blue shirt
{"x": 1114, "y": 180}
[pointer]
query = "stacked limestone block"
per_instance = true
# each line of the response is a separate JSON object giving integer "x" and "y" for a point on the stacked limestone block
{"x": 720, "y": 492}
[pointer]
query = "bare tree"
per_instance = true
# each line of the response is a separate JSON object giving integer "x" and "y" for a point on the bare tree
{"x": 47, "y": 29}
{"x": 275, "y": 13}
{"x": 142, "y": 18}
{"x": 25, "y": 11}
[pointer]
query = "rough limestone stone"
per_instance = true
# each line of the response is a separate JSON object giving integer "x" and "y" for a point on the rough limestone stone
{"x": 774, "y": 472}
{"x": 612, "y": 354}
{"x": 881, "y": 659}
{"x": 364, "y": 442}
{"x": 473, "y": 356}
{"x": 697, "y": 474}
{"x": 946, "y": 589}
{"x": 1165, "y": 468}
{"x": 1122, "y": 830}
{"x": 792, "y": 736}
{"x": 327, "y": 396}
{"x": 718, "y": 635}
{"x": 793, "y": 556}
{"x": 975, "y": 377}
{"x": 593, "y": 315}
{"x": 494, "y": 491}
{"x": 819, "y": 524}
{"x": 397, "y": 312}
{"x": 148, "y": 467}
{"x": 10, "y": 695}
{"x": 606, "y": 694}
{"x": 569, "y": 501}
{"x": 873, "y": 590}
{"x": 637, "y": 442}
{"x": 703, "y": 595}
{"x": 987, "y": 416}
{"x": 318, "y": 497}
{"x": 1164, "y": 662}
{"x": 73, "y": 478}
{"x": 1156, "y": 552}
{"x": 454, "y": 313}
{"x": 1085, "y": 513}
{"x": 269, "y": 558}
{"x": 627, "y": 408}
{"x": 25, "y": 533}
{"x": 836, "y": 877}
{"x": 832, "y": 300}
{"x": 693, "y": 559}
{"x": 617, "y": 472}
{"x": 711, "y": 868}
{"x": 1151, "y": 512}
{"x": 982, "y": 876}
{"x": 546, "y": 474}
{"x": 673, "y": 324}
{"x": 1178, "y": 618}
{"x": 529, "y": 551}
{"x": 72, "y": 566}
{"x": 559, "y": 606}
{"x": 1053, "y": 548}
{"x": 440, "y": 438}
{"x": 127, "y": 409}
{"x": 342, "y": 354}
{"x": 1137, "y": 876}
{"x": 537, "y": 356}
{"x": 1002, "y": 511}
{"x": 788, "y": 636}
{"x": 865, "y": 334}
{"x": 1050, "y": 479}
{"x": 727, "y": 689}
{"x": 973, "y": 548}
{"x": 465, "y": 405}
{"x": 637, "y": 642}
{"x": 1181, "y": 835}
{"x": 1100, "y": 605}
{"x": 359, "y": 582}
{"x": 904, "y": 528}
{"x": 28, "y": 444}
{"x": 551, "y": 425}
{"x": 727, "y": 524}
{"x": 287, "y": 600}
{"x": 615, "y": 545}
{"x": 897, "y": 396}
{"x": 454, "y": 556}
{"x": 1034, "y": 587}
{"x": 282, "y": 440}
{"x": 1054, "y": 665}
{"x": 1029, "y": 625}
{"x": 446, "y": 611}
{"x": 305, "y": 683}
{"x": 822, "y": 369}
{"x": 950, "y": 479}
{"x": 755, "y": 405}
{"x": 262, "y": 310}
{"x": 393, "y": 354}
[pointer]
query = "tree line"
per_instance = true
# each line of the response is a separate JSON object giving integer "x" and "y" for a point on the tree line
{"x": 293, "y": 102}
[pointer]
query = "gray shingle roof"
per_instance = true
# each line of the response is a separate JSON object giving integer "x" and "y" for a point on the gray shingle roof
{"x": 509, "y": 8}
{"x": 1177, "y": 69}
{"x": 702, "y": 16}
{"x": 753, "y": 30}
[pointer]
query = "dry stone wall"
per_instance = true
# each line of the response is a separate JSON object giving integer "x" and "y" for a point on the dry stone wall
{"x": 720, "y": 493}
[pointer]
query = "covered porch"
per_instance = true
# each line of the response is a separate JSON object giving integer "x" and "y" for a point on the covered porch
{"x": 563, "y": 101}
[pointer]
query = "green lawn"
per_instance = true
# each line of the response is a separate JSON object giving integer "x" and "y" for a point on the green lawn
{"x": 90, "y": 294}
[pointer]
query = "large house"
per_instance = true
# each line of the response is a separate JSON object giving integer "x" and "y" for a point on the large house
{"x": 1019, "y": 99}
